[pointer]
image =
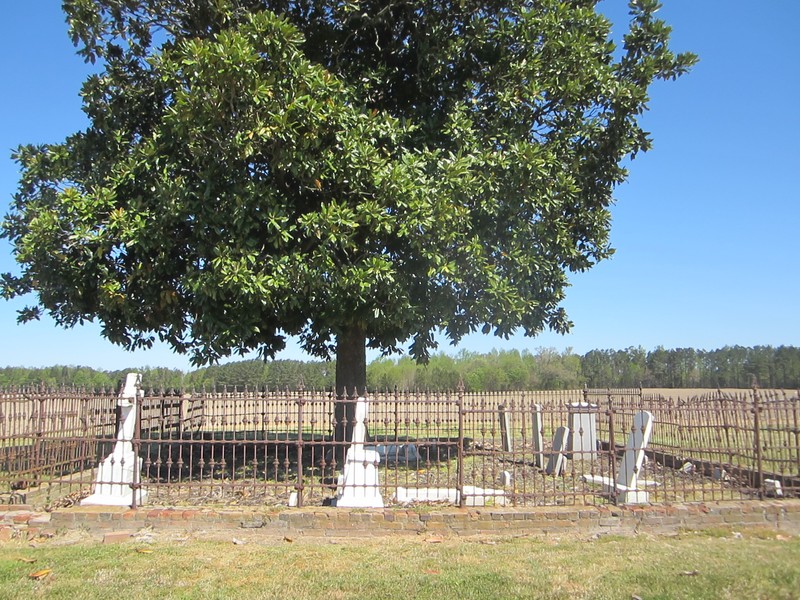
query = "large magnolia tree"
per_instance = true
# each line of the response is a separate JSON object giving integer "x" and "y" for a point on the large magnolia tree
{"x": 355, "y": 173}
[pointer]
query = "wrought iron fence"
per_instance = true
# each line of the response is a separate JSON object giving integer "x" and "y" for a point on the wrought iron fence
{"x": 266, "y": 447}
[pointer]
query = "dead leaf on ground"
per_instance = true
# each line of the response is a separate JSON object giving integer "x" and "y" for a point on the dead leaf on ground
{"x": 690, "y": 573}
{"x": 434, "y": 539}
{"x": 40, "y": 574}
{"x": 144, "y": 550}
{"x": 432, "y": 571}
{"x": 287, "y": 539}
{"x": 489, "y": 542}
{"x": 30, "y": 561}
{"x": 783, "y": 538}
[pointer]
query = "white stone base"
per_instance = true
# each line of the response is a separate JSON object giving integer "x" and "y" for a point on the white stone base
{"x": 623, "y": 494}
{"x": 107, "y": 492}
{"x": 633, "y": 497}
{"x": 358, "y": 485}
{"x": 115, "y": 499}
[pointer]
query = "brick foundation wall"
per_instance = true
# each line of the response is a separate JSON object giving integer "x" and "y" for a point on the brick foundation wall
{"x": 21, "y": 521}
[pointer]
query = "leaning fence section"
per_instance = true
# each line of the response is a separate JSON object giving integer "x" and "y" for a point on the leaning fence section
{"x": 47, "y": 434}
{"x": 278, "y": 448}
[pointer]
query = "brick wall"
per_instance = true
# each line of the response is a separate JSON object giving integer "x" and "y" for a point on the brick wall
{"x": 22, "y": 521}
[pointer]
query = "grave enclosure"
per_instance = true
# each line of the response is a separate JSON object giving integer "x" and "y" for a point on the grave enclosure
{"x": 515, "y": 449}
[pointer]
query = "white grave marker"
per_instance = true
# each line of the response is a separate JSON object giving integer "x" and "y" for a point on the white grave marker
{"x": 358, "y": 484}
{"x": 122, "y": 467}
{"x": 627, "y": 486}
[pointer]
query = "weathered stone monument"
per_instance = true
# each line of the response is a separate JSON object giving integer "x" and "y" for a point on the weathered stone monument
{"x": 555, "y": 463}
{"x": 582, "y": 431}
{"x": 120, "y": 470}
{"x": 536, "y": 431}
{"x": 506, "y": 431}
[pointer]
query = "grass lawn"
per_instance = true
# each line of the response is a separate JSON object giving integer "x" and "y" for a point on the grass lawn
{"x": 748, "y": 564}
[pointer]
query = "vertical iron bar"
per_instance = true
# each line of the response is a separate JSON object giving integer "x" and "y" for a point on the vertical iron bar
{"x": 136, "y": 444}
{"x": 299, "y": 485}
{"x": 757, "y": 441}
{"x": 460, "y": 466}
{"x": 396, "y": 414}
{"x": 612, "y": 447}
{"x": 38, "y": 448}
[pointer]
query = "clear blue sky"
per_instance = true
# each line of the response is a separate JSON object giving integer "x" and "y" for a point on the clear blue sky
{"x": 706, "y": 229}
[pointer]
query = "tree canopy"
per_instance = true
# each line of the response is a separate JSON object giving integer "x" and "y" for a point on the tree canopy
{"x": 344, "y": 171}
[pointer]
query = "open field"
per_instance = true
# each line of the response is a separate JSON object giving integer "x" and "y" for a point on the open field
{"x": 691, "y": 392}
{"x": 746, "y": 564}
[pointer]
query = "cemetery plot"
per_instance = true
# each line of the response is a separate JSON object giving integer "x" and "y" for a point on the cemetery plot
{"x": 276, "y": 448}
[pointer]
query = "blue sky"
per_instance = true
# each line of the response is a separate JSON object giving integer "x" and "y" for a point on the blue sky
{"x": 706, "y": 229}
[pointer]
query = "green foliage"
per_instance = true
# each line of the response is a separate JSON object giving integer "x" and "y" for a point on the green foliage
{"x": 254, "y": 374}
{"x": 544, "y": 369}
{"x": 495, "y": 371}
{"x": 88, "y": 378}
{"x": 390, "y": 168}
{"x": 547, "y": 369}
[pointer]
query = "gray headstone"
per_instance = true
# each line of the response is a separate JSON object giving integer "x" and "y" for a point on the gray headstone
{"x": 583, "y": 431}
{"x": 555, "y": 464}
{"x": 538, "y": 444}
{"x": 506, "y": 434}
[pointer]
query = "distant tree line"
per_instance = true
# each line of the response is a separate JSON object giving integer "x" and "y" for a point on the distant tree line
{"x": 279, "y": 374}
{"x": 543, "y": 369}
{"x": 548, "y": 369}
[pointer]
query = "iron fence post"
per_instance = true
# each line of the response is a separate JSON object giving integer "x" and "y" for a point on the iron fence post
{"x": 396, "y": 414}
{"x": 757, "y": 442}
{"x": 39, "y": 456}
{"x": 460, "y": 461}
{"x": 136, "y": 445}
{"x": 300, "y": 484}
{"x": 612, "y": 444}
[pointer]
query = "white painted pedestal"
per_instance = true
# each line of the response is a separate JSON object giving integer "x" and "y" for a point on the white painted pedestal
{"x": 119, "y": 470}
{"x": 358, "y": 484}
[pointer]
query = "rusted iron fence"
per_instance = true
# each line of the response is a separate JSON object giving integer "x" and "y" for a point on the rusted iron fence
{"x": 259, "y": 447}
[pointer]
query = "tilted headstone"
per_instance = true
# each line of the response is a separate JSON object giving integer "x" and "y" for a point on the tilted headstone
{"x": 555, "y": 464}
{"x": 773, "y": 488}
{"x": 627, "y": 487}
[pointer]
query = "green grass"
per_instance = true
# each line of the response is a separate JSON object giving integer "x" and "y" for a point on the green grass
{"x": 754, "y": 564}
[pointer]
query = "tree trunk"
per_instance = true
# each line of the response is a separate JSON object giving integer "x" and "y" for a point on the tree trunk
{"x": 351, "y": 382}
